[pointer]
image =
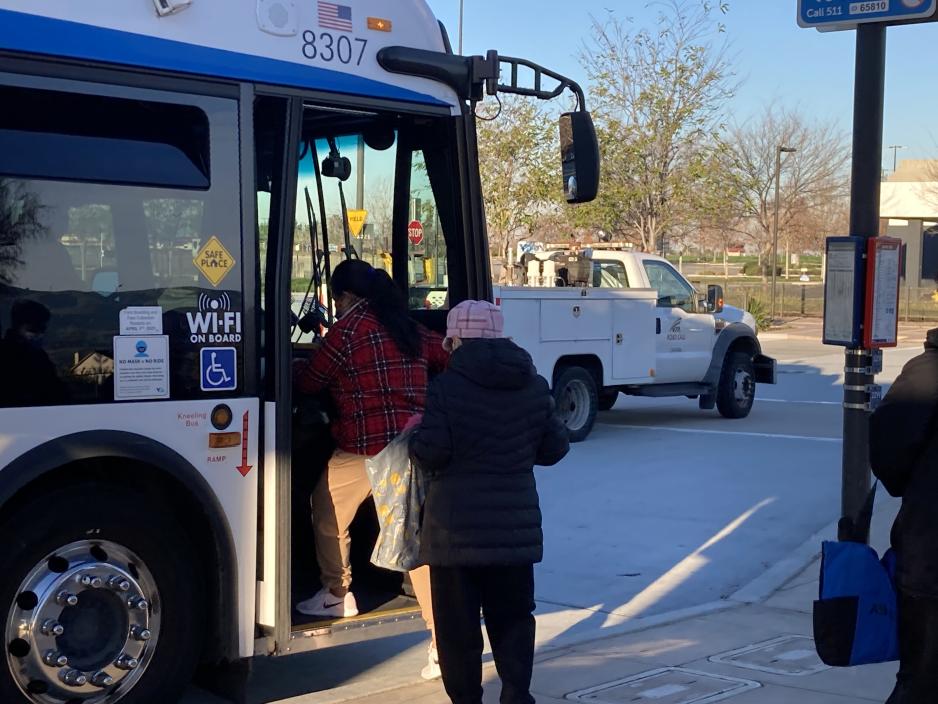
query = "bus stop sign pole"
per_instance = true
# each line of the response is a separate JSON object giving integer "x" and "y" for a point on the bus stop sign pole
{"x": 868, "y": 103}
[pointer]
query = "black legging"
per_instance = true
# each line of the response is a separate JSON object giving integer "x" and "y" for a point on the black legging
{"x": 917, "y": 681}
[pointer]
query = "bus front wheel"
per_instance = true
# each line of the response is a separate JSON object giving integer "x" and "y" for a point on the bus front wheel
{"x": 102, "y": 600}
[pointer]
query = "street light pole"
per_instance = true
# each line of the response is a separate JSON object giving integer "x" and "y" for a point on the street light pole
{"x": 461, "y": 3}
{"x": 895, "y": 155}
{"x": 778, "y": 180}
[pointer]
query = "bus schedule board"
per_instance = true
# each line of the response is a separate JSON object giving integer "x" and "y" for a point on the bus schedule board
{"x": 881, "y": 315}
{"x": 847, "y": 14}
{"x": 843, "y": 291}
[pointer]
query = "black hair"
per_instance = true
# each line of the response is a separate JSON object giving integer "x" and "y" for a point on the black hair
{"x": 26, "y": 312}
{"x": 385, "y": 299}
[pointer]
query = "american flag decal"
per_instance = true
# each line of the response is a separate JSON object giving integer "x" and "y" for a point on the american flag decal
{"x": 333, "y": 16}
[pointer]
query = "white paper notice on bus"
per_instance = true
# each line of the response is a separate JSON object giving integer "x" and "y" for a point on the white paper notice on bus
{"x": 141, "y": 367}
{"x": 141, "y": 320}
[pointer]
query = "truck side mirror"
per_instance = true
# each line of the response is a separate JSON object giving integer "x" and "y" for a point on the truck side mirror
{"x": 714, "y": 298}
{"x": 579, "y": 151}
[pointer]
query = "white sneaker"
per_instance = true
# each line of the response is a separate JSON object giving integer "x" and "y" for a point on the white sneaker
{"x": 432, "y": 671}
{"x": 325, "y": 604}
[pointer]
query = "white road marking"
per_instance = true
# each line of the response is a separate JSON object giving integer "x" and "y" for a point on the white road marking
{"x": 777, "y": 436}
{"x": 811, "y": 403}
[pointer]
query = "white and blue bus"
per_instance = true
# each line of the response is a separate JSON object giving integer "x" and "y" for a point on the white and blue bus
{"x": 171, "y": 173}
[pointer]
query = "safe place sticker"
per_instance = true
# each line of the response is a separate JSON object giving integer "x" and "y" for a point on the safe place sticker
{"x": 214, "y": 261}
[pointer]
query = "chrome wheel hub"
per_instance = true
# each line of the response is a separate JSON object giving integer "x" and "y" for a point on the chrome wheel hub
{"x": 574, "y": 405}
{"x": 743, "y": 387}
{"x": 84, "y": 625}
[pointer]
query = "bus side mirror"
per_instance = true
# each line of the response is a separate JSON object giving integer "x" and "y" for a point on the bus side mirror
{"x": 579, "y": 151}
{"x": 714, "y": 299}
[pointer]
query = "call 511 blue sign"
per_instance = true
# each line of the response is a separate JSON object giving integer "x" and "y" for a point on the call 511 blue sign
{"x": 844, "y": 14}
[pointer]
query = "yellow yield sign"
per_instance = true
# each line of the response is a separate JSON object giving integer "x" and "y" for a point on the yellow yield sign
{"x": 356, "y": 221}
{"x": 214, "y": 261}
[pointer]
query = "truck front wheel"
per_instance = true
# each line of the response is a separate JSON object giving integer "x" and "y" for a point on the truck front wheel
{"x": 737, "y": 390}
{"x": 102, "y": 600}
{"x": 577, "y": 401}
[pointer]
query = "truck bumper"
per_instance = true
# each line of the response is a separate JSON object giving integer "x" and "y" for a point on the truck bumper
{"x": 764, "y": 368}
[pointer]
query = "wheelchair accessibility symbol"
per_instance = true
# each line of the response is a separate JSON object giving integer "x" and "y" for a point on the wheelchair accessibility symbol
{"x": 219, "y": 368}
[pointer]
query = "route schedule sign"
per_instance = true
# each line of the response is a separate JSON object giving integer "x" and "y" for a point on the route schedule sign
{"x": 847, "y": 14}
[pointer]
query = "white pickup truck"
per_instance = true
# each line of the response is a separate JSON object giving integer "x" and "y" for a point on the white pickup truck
{"x": 618, "y": 266}
{"x": 653, "y": 335}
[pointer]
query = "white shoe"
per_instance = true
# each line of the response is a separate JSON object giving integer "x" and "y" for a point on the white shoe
{"x": 325, "y": 604}
{"x": 432, "y": 671}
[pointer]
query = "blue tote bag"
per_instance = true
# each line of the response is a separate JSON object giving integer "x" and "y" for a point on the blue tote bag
{"x": 855, "y": 619}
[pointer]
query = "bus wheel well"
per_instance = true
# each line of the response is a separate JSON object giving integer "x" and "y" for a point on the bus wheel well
{"x": 589, "y": 362}
{"x": 179, "y": 501}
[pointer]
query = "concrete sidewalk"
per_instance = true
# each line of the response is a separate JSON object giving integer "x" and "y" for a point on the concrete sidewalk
{"x": 747, "y": 653}
{"x": 812, "y": 329}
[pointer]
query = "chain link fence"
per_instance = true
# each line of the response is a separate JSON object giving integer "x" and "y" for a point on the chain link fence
{"x": 795, "y": 299}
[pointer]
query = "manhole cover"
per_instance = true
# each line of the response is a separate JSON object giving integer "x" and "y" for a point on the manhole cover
{"x": 670, "y": 685}
{"x": 794, "y": 656}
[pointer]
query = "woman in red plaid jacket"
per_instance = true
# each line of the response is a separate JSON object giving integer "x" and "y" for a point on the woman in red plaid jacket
{"x": 375, "y": 362}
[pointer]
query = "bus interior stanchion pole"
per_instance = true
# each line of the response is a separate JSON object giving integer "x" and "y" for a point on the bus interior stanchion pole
{"x": 864, "y": 222}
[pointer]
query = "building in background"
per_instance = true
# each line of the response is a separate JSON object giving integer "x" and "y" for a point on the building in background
{"x": 909, "y": 211}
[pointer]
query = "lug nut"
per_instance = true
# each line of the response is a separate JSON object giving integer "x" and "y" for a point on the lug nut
{"x": 126, "y": 662}
{"x": 66, "y": 599}
{"x": 119, "y": 583}
{"x": 102, "y": 679}
{"x": 73, "y": 678}
{"x": 97, "y": 582}
{"x": 54, "y": 658}
{"x": 51, "y": 627}
{"x": 138, "y": 602}
{"x": 85, "y": 580}
{"x": 140, "y": 633}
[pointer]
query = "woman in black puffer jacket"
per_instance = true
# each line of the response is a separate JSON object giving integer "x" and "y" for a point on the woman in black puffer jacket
{"x": 904, "y": 456}
{"x": 489, "y": 419}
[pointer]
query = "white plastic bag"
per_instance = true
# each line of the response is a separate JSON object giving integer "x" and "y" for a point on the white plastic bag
{"x": 399, "y": 493}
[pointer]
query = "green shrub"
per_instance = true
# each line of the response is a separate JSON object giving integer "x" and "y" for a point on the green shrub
{"x": 755, "y": 269}
{"x": 760, "y": 313}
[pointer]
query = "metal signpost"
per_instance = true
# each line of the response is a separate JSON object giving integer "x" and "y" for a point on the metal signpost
{"x": 869, "y": 19}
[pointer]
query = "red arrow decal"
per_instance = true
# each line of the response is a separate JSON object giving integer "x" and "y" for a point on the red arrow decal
{"x": 244, "y": 468}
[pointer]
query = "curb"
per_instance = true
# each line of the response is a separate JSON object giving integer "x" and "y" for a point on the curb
{"x": 785, "y": 570}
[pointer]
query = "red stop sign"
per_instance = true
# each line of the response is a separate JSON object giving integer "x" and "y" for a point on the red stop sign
{"x": 415, "y": 232}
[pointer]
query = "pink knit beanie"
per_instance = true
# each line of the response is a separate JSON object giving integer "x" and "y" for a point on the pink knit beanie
{"x": 474, "y": 320}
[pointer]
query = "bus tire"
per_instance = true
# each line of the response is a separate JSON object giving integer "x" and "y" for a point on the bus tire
{"x": 116, "y": 584}
{"x": 607, "y": 399}
{"x": 577, "y": 401}
{"x": 737, "y": 388}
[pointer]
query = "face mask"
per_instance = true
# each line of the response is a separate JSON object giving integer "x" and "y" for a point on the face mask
{"x": 34, "y": 338}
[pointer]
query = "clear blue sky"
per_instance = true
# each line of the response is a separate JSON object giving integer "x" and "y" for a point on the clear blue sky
{"x": 775, "y": 59}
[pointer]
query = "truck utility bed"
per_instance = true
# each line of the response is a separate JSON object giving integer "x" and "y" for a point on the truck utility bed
{"x": 618, "y": 325}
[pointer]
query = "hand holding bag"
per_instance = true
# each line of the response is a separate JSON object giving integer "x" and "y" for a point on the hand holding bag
{"x": 399, "y": 494}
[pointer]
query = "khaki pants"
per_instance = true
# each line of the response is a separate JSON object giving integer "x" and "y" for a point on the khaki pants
{"x": 341, "y": 491}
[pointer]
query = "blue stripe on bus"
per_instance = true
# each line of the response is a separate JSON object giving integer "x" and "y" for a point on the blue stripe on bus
{"x": 44, "y": 35}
